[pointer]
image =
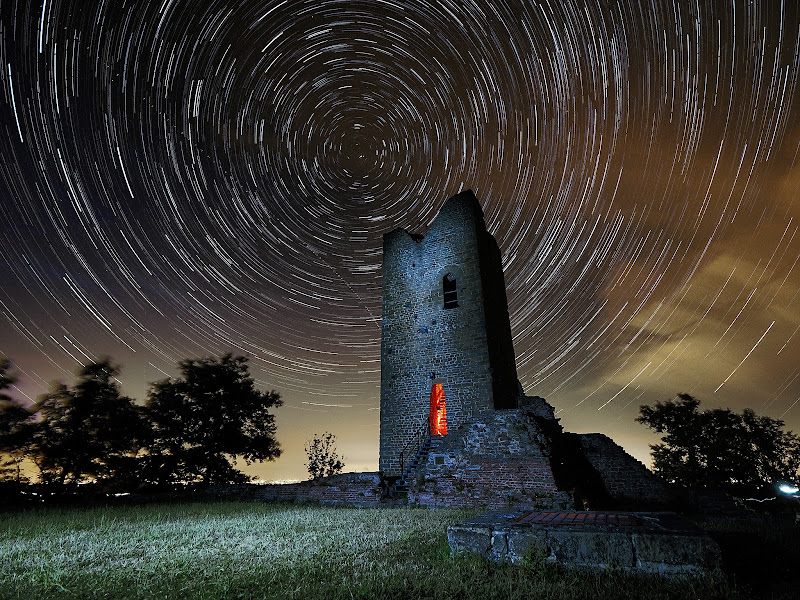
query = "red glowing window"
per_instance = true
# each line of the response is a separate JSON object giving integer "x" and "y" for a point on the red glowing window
{"x": 438, "y": 415}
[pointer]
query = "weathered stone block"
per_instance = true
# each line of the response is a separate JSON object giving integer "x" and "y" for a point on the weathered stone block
{"x": 660, "y": 552}
{"x": 595, "y": 549}
{"x": 470, "y": 539}
{"x": 656, "y": 543}
{"x": 524, "y": 544}
{"x": 499, "y": 549}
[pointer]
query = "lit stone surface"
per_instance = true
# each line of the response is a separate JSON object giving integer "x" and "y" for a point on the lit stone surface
{"x": 467, "y": 348}
{"x": 659, "y": 543}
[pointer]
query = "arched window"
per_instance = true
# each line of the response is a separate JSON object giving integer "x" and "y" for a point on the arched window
{"x": 450, "y": 293}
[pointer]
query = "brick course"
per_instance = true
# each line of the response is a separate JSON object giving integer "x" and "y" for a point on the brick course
{"x": 497, "y": 459}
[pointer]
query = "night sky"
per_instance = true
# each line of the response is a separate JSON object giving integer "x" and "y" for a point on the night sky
{"x": 190, "y": 177}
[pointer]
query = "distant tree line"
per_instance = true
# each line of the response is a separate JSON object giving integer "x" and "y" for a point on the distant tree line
{"x": 192, "y": 429}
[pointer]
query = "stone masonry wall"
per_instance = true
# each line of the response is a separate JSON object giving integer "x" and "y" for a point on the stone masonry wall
{"x": 498, "y": 324}
{"x": 625, "y": 478}
{"x": 522, "y": 484}
{"x": 498, "y": 459}
{"x": 420, "y": 337}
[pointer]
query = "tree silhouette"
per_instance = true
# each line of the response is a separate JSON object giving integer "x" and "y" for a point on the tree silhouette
{"x": 89, "y": 432}
{"x": 6, "y": 379}
{"x": 741, "y": 454}
{"x": 14, "y": 428}
{"x": 206, "y": 419}
{"x": 323, "y": 460}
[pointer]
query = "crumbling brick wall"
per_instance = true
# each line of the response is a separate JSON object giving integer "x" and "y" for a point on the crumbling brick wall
{"x": 625, "y": 478}
{"x": 523, "y": 484}
{"x": 497, "y": 459}
{"x": 521, "y": 458}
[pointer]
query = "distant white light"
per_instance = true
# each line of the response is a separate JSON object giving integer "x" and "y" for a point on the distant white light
{"x": 788, "y": 489}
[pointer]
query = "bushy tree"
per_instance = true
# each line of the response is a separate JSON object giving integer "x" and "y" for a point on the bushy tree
{"x": 741, "y": 454}
{"x": 206, "y": 419}
{"x": 88, "y": 432}
{"x": 323, "y": 460}
{"x": 14, "y": 428}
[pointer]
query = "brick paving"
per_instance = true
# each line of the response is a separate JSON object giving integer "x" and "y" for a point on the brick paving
{"x": 578, "y": 518}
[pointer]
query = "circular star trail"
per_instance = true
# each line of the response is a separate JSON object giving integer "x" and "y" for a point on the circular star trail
{"x": 182, "y": 179}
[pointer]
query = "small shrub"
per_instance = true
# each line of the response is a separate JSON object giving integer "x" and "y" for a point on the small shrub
{"x": 323, "y": 460}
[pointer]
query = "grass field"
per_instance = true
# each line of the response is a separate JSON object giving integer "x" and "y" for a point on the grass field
{"x": 251, "y": 550}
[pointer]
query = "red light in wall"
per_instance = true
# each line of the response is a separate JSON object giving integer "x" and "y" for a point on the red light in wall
{"x": 438, "y": 415}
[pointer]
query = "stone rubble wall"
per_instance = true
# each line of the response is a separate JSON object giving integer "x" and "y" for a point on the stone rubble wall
{"x": 506, "y": 458}
{"x": 494, "y": 484}
{"x": 625, "y": 478}
{"x": 498, "y": 459}
{"x": 500, "y": 434}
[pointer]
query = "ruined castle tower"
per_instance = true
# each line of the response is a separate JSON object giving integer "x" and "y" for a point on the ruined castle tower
{"x": 446, "y": 349}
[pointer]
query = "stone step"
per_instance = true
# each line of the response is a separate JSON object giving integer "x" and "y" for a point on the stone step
{"x": 420, "y": 459}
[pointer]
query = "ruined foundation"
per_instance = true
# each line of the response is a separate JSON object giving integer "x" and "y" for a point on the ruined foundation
{"x": 656, "y": 543}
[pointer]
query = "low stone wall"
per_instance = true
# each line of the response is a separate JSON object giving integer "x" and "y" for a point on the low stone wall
{"x": 492, "y": 483}
{"x": 658, "y": 543}
{"x": 347, "y": 489}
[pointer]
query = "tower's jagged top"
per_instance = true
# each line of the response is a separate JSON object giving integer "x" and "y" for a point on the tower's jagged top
{"x": 463, "y": 197}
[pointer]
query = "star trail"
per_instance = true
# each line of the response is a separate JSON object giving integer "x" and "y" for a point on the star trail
{"x": 185, "y": 178}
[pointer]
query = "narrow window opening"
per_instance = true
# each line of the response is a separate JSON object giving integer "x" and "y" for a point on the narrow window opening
{"x": 450, "y": 293}
{"x": 438, "y": 416}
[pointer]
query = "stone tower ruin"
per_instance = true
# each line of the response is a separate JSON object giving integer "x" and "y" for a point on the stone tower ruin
{"x": 456, "y": 426}
{"x": 446, "y": 349}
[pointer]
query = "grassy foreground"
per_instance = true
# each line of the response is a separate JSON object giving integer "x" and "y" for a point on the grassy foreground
{"x": 251, "y": 550}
